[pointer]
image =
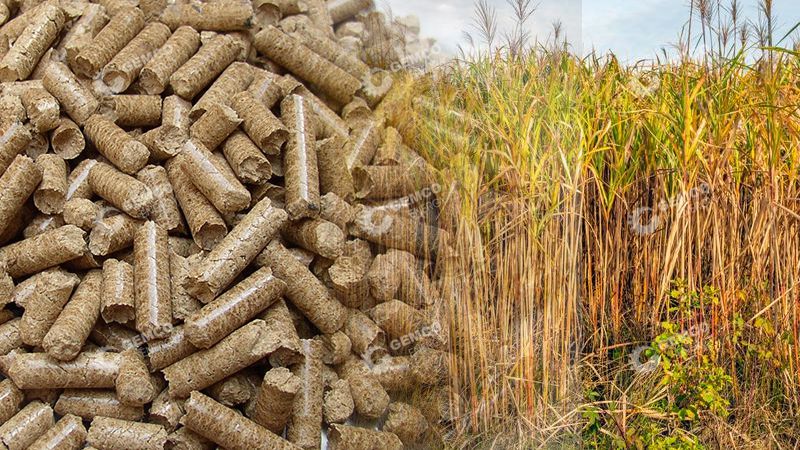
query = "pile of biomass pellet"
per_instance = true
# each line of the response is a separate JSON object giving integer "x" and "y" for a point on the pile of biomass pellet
{"x": 208, "y": 237}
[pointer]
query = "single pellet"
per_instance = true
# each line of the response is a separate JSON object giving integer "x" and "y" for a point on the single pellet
{"x": 205, "y": 66}
{"x": 306, "y": 420}
{"x": 123, "y": 191}
{"x": 10, "y": 338}
{"x": 234, "y": 308}
{"x": 205, "y": 223}
{"x": 10, "y": 400}
{"x": 388, "y": 182}
{"x": 345, "y": 437}
{"x": 285, "y": 343}
{"x": 125, "y": 152}
{"x": 334, "y": 176}
{"x": 363, "y": 144}
{"x": 70, "y": 330}
{"x": 233, "y": 353}
{"x": 338, "y": 405}
{"x": 429, "y": 366}
{"x": 117, "y": 292}
{"x": 151, "y": 281}
{"x": 134, "y": 110}
{"x": 225, "y": 192}
{"x": 112, "y": 234}
{"x": 219, "y": 15}
{"x": 11, "y": 110}
{"x": 394, "y": 373}
{"x": 115, "y": 35}
{"x": 213, "y": 127}
{"x": 41, "y": 223}
{"x": 300, "y": 159}
{"x": 13, "y": 141}
{"x": 133, "y": 382}
{"x": 88, "y": 403}
{"x": 166, "y": 411}
{"x": 155, "y": 75}
{"x": 91, "y": 21}
{"x": 236, "y": 251}
{"x": 382, "y": 225}
{"x": 42, "y": 109}
{"x": 165, "y": 352}
{"x": 43, "y": 281}
{"x": 318, "y": 236}
{"x": 314, "y": 38}
{"x": 341, "y": 10}
{"x": 364, "y": 334}
{"x": 405, "y": 421}
{"x": 260, "y": 124}
{"x": 396, "y": 318}
{"x": 183, "y": 304}
{"x": 34, "y": 41}
{"x": 237, "y": 389}
{"x": 123, "y": 69}
{"x": 330, "y": 122}
{"x": 17, "y": 184}
{"x": 236, "y": 78}
{"x": 385, "y": 275}
{"x": 51, "y": 193}
{"x": 186, "y": 439}
{"x": 309, "y": 66}
{"x": 67, "y": 139}
{"x": 22, "y": 430}
{"x": 48, "y": 249}
{"x": 335, "y": 347}
{"x": 76, "y": 99}
{"x": 306, "y": 292}
{"x": 272, "y": 405}
{"x": 227, "y": 428}
{"x": 165, "y": 210}
{"x": 41, "y": 371}
{"x": 67, "y": 434}
{"x": 246, "y": 159}
{"x": 107, "y": 433}
{"x": 369, "y": 396}
{"x": 356, "y": 111}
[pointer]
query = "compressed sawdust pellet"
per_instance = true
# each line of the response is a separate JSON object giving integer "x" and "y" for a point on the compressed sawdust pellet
{"x": 202, "y": 68}
{"x": 186, "y": 439}
{"x": 22, "y": 430}
{"x": 183, "y": 304}
{"x": 50, "y": 195}
{"x": 115, "y": 35}
{"x": 67, "y": 139}
{"x": 112, "y": 234}
{"x": 369, "y": 396}
{"x": 121, "y": 190}
{"x": 75, "y": 98}
{"x": 338, "y": 405}
{"x": 166, "y": 411}
{"x": 91, "y": 21}
{"x": 88, "y": 370}
{"x": 345, "y": 437}
{"x": 334, "y": 176}
{"x": 107, "y": 433}
{"x": 394, "y": 373}
{"x": 46, "y": 250}
{"x": 341, "y": 10}
{"x": 216, "y": 124}
{"x": 17, "y": 183}
{"x": 165, "y": 212}
{"x": 123, "y": 69}
{"x": 405, "y": 421}
{"x": 396, "y": 318}
{"x": 319, "y": 236}
{"x": 224, "y": 191}
{"x": 246, "y": 159}
{"x": 151, "y": 281}
{"x": 218, "y": 15}
{"x": 320, "y": 43}
{"x": 13, "y": 142}
{"x": 78, "y": 180}
{"x": 124, "y": 152}
{"x": 283, "y": 339}
{"x": 235, "y": 390}
{"x": 362, "y": 145}
{"x": 41, "y": 108}
{"x": 67, "y": 434}
{"x": 34, "y": 41}
{"x": 117, "y": 292}
{"x": 180, "y": 46}
{"x": 300, "y": 159}
{"x": 336, "y": 347}
{"x": 10, "y": 338}
{"x": 306, "y": 423}
{"x": 205, "y": 223}
{"x": 167, "y": 351}
{"x": 429, "y": 366}
{"x": 236, "y": 78}
{"x": 133, "y": 381}
{"x": 75, "y": 322}
{"x": 387, "y": 182}
{"x": 259, "y": 123}
{"x": 134, "y": 110}
{"x": 273, "y": 403}
{"x": 88, "y": 403}
{"x": 10, "y": 399}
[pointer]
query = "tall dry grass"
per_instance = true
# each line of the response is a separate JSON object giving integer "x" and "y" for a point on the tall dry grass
{"x": 556, "y": 279}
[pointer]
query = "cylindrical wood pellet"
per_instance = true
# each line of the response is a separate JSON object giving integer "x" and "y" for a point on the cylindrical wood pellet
{"x": 286, "y": 348}
{"x": 152, "y": 283}
{"x": 369, "y": 396}
{"x": 125, "y": 152}
{"x": 166, "y": 411}
{"x": 362, "y": 145}
{"x": 338, "y": 405}
{"x": 211, "y": 129}
{"x": 34, "y": 41}
{"x": 165, "y": 352}
{"x": 117, "y": 293}
{"x": 88, "y": 403}
{"x": 183, "y": 304}
{"x": 134, "y": 110}
{"x": 315, "y": 39}
{"x": 114, "y": 36}
{"x": 133, "y": 382}
{"x": 112, "y": 234}
{"x": 165, "y": 210}
{"x": 306, "y": 420}
{"x": 123, "y": 69}
{"x": 42, "y": 109}
{"x": 155, "y": 75}
{"x": 205, "y": 66}
{"x": 67, "y": 139}
{"x": 220, "y": 15}
{"x": 48, "y": 249}
{"x": 345, "y": 437}
{"x": 246, "y": 159}
{"x": 364, "y": 334}
{"x": 107, "y": 433}
{"x": 41, "y": 371}
{"x": 50, "y": 195}
{"x": 334, "y": 176}
{"x": 300, "y": 159}
{"x": 73, "y": 326}
{"x": 236, "y": 389}
{"x": 318, "y": 236}
{"x": 341, "y": 10}
{"x": 83, "y": 29}
{"x": 67, "y": 434}
{"x": 236, "y": 78}
{"x": 78, "y": 180}
{"x": 76, "y": 99}
{"x": 22, "y": 430}
{"x": 17, "y": 183}
{"x": 259, "y": 123}
{"x": 224, "y": 191}
{"x": 13, "y": 141}
{"x": 10, "y": 399}
{"x": 123, "y": 191}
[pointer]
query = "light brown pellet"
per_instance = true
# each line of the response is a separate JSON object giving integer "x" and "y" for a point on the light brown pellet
{"x": 396, "y": 318}
{"x": 217, "y": 15}
{"x": 205, "y": 223}
{"x": 335, "y": 347}
{"x": 316, "y": 235}
{"x": 235, "y": 390}
{"x": 165, "y": 352}
{"x": 246, "y": 159}
{"x": 183, "y": 304}
{"x": 13, "y": 141}
{"x": 230, "y": 430}
{"x": 11, "y": 109}
{"x": 38, "y": 145}
{"x": 165, "y": 210}
{"x": 205, "y": 66}
{"x": 123, "y": 69}
{"x": 117, "y": 293}
{"x": 315, "y": 38}
{"x": 306, "y": 421}
{"x": 115, "y": 35}
{"x": 9, "y": 337}
{"x": 126, "y": 153}
{"x": 74, "y": 324}
{"x": 91, "y": 21}
{"x": 334, "y": 175}
{"x": 67, "y": 434}
{"x": 405, "y": 421}
{"x": 166, "y": 411}
{"x": 300, "y": 159}
{"x": 155, "y": 75}
{"x": 41, "y": 371}
{"x": 41, "y": 223}
{"x": 112, "y": 234}
{"x": 388, "y": 182}
{"x": 259, "y": 123}
{"x": 345, "y": 437}
{"x": 151, "y": 281}
{"x": 186, "y": 439}
{"x": 236, "y": 251}
{"x": 78, "y": 180}
{"x": 48, "y": 249}
{"x": 51, "y": 193}
{"x": 330, "y": 122}
{"x": 116, "y": 6}
{"x": 107, "y": 433}
{"x": 216, "y": 124}
{"x": 266, "y": 87}
{"x": 362, "y": 145}
{"x": 76, "y": 99}
{"x": 338, "y": 405}
{"x": 285, "y": 343}
{"x": 234, "y": 308}
{"x": 273, "y": 403}
{"x": 364, "y": 334}
{"x": 67, "y": 139}
{"x": 17, "y": 184}
{"x": 369, "y": 396}
{"x": 34, "y": 41}
{"x": 341, "y": 10}
{"x": 10, "y": 400}
{"x": 236, "y": 78}
{"x": 123, "y": 191}
{"x": 133, "y": 381}
{"x": 88, "y": 403}
{"x": 41, "y": 108}
{"x": 134, "y": 110}
{"x": 22, "y": 430}
{"x": 307, "y": 65}
{"x": 224, "y": 191}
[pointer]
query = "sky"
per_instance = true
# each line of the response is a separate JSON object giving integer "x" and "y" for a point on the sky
{"x": 633, "y": 29}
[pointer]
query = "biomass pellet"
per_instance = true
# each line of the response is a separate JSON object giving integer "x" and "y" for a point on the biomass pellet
{"x": 121, "y": 190}
{"x": 356, "y": 111}
{"x": 303, "y": 62}
{"x": 88, "y": 403}
{"x": 112, "y": 234}
{"x": 284, "y": 342}
{"x": 429, "y": 366}
{"x": 225, "y": 192}
{"x": 10, "y": 338}
{"x": 10, "y": 400}
{"x": 338, "y": 405}
{"x": 183, "y": 304}
{"x": 151, "y": 281}
{"x": 334, "y": 176}
{"x": 183, "y": 246}
{"x": 134, "y": 110}
{"x": 385, "y": 275}
{"x": 41, "y": 371}
{"x": 70, "y": 330}
{"x": 230, "y": 430}
{"x": 236, "y": 389}
{"x": 13, "y": 141}
{"x": 37, "y": 146}
{"x": 17, "y": 184}
{"x": 40, "y": 223}
{"x": 91, "y": 21}
{"x": 364, "y": 334}
{"x": 117, "y": 292}
{"x": 165, "y": 352}
{"x": 216, "y": 124}
{"x": 363, "y": 144}
{"x": 246, "y": 159}
{"x": 341, "y": 10}
{"x": 200, "y": 370}
{"x": 67, "y": 139}
{"x": 266, "y": 87}
{"x": 319, "y": 16}
{"x": 314, "y": 38}
{"x": 388, "y": 182}
{"x": 369, "y": 396}
{"x": 381, "y": 225}
{"x": 205, "y": 66}
{"x": 166, "y": 411}
{"x": 345, "y": 437}
{"x": 22, "y": 430}
{"x": 114, "y": 7}
{"x": 306, "y": 420}
{"x": 123, "y": 69}
{"x": 335, "y": 347}
{"x": 272, "y": 405}
{"x": 165, "y": 210}
{"x": 260, "y": 124}
{"x": 25, "y": 289}
{"x": 319, "y": 236}
{"x": 34, "y": 41}
{"x": 396, "y": 318}
{"x": 78, "y": 180}
{"x": 205, "y": 223}
{"x": 51, "y": 193}
{"x": 11, "y": 110}
{"x": 218, "y": 15}
{"x": 155, "y": 75}
{"x": 67, "y": 434}
{"x": 133, "y": 382}
{"x": 405, "y": 421}
{"x": 186, "y": 439}
{"x": 115, "y": 35}
{"x": 394, "y": 373}
{"x": 76, "y": 99}
{"x": 125, "y": 152}
{"x": 167, "y": 140}
{"x": 330, "y": 122}
{"x": 107, "y": 433}
{"x": 41, "y": 108}
{"x": 48, "y": 249}
{"x": 236, "y": 78}
{"x": 300, "y": 159}
{"x": 306, "y": 292}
